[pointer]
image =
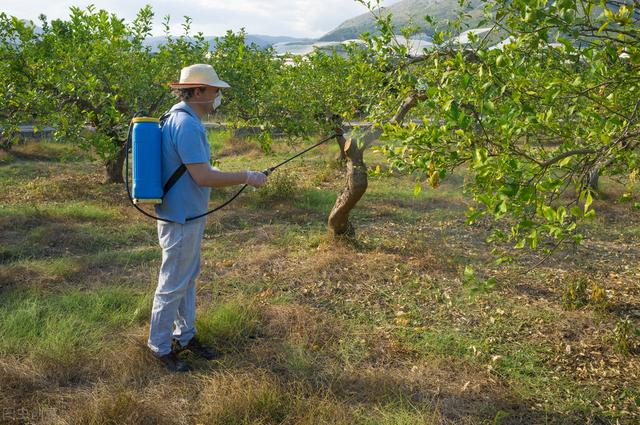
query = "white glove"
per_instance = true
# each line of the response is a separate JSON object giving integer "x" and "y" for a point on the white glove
{"x": 255, "y": 178}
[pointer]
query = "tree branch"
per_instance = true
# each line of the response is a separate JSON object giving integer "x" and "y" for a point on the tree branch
{"x": 566, "y": 155}
{"x": 407, "y": 104}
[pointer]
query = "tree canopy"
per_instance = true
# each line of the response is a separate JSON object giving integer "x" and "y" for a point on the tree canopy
{"x": 88, "y": 76}
{"x": 529, "y": 119}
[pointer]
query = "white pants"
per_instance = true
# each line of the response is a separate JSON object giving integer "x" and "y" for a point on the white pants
{"x": 174, "y": 304}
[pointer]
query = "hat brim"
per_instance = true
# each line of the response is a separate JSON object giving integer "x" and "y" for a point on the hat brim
{"x": 219, "y": 84}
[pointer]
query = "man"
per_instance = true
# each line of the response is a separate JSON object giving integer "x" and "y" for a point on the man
{"x": 184, "y": 141}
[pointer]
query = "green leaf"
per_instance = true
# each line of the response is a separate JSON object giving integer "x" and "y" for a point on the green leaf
{"x": 469, "y": 274}
{"x": 576, "y": 211}
{"x": 603, "y": 26}
{"x": 561, "y": 214}
{"x": 417, "y": 188}
{"x": 566, "y": 161}
{"x": 533, "y": 239}
{"x": 588, "y": 201}
{"x": 549, "y": 213}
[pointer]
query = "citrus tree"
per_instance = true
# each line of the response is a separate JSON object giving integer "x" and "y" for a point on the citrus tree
{"x": 294, "y": 95}
{"x": 531, "y": 119}
{"x": 301, "y": 97}
{"x": 20, "y": 99}
{"x": 95, "y": 73}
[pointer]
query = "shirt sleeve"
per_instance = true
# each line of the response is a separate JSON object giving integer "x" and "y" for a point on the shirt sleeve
{"x": 190, "y": 143}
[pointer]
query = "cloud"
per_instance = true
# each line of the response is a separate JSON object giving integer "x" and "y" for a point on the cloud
{"x": 298, "y": 18}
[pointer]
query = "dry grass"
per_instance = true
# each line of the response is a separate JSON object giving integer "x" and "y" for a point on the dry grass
{"x": 380, "y": 330}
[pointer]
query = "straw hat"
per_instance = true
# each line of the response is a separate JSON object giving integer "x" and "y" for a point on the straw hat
{"x": 198, "y": 75}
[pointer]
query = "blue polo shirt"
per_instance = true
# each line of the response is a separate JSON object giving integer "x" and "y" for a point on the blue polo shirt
{"x": 184, "y": 141}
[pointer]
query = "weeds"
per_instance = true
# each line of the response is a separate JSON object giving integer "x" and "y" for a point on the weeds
{"x": 625, "y": 336}
{"x": 575, "y": 293}
{"x": 281, "y": 185}
{"x": 67, "y": 325}
{"x": 246, "y": 400}
{"x": 578, "y": 293}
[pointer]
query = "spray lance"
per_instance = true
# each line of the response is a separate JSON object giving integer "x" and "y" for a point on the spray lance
{"x": 144, "y": 140}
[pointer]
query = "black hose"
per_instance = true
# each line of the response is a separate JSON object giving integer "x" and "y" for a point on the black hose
{"x": 219, "y": 207}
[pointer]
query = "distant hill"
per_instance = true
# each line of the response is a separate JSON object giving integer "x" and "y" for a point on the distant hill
{"x": 262, "y": 41}
{"x": 403, "y": 13}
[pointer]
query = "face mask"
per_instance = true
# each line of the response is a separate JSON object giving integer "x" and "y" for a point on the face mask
{"x": 217, "y": 101}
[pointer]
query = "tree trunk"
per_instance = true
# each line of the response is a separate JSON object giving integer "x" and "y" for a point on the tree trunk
{"x": 113, "y": 167}
{"x": 355, "y": 186}
{"x": 593, "y": 178}
{"x": 342, "y": 156}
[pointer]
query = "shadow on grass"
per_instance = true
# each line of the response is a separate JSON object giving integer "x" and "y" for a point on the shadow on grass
{"x": 81, "y": 269}
{"x": 53, "y": 232}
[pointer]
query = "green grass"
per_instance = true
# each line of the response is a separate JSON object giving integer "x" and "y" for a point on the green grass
{"x": 45, "y": 150}
{"x": 399, "y": 414}
{"x": 126, "y": 258}
{"x": 63, "y": 324}
{"x": 227, "y": 325}
{"x": 262, "y": 402}
{"x": 297, "y": 362}
{"x": 13, "y": 173}
{"x": 65, "y": 267}
{"x": 217, "y": 139}
{"x": 316, "y": 200}
{"x": 301, "y": 237}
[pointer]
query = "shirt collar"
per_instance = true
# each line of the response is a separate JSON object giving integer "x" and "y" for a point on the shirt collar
{"x": 186, "y": 107}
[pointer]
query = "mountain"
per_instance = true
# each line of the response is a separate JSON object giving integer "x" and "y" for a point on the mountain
{"x": 270, "y": 40}
{"x": 416, "y": 46}
{"x": 262, "y": 41}
{"x": 403, "y": 13}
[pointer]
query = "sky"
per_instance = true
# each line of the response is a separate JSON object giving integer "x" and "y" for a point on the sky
{"x": 295, "y": 18}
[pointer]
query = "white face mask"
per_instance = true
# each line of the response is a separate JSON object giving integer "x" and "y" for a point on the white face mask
{"x": 217, "y": 102}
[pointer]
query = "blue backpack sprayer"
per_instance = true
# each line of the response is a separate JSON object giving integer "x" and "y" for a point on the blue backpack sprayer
{"x": 145, "y": 141}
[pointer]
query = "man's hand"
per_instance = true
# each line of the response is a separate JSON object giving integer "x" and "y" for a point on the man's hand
{"x": 255, "y": 178}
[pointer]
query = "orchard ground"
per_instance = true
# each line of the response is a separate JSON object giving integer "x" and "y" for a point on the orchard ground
{"x": 385, "y": 329}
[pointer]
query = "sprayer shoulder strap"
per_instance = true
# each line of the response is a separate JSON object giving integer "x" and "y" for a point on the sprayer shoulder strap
{"x": 166, "y": 115}
{"x": 182, "y": 168}
{"x": 174, "y": 178}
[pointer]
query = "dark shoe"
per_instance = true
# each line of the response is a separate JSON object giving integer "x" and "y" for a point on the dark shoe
{"x": 197, "y": 348}
{"x": 173, "y": 363}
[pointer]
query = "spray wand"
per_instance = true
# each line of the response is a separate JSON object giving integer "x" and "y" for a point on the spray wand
{"x": 228, "y": 201}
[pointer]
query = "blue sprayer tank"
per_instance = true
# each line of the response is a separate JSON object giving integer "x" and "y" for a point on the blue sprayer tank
{"x": 146, "y": 139}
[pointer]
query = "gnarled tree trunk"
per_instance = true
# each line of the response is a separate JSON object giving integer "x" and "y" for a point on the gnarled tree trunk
{"x": 113, "y": 167}
{"x": 356, "y": 177}
{"x": 342, "y": 156}
{"x": 355, "y": 186}
{"x": 592, "y": 179}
